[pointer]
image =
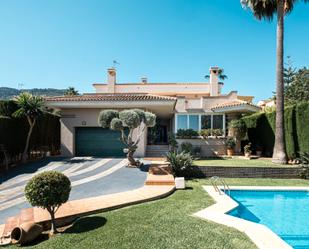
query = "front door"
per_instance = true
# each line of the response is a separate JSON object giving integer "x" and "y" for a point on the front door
{"x": 158, "y": 134}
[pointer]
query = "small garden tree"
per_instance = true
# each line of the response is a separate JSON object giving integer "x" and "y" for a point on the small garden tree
{"x": 134, "y": 120}
{"x": 48, "y": 190}
{"x": 31, "y": 107}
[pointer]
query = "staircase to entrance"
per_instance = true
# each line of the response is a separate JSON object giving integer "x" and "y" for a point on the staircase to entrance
{"x": 156, "y": 150}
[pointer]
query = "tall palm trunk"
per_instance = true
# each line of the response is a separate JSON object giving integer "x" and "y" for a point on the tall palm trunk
{"x": 25, "y": 153}
{"x": 279, "y": 154}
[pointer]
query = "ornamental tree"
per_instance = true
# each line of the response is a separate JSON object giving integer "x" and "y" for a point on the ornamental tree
{"x": 48, "y": 190}
{"x": 31, "y": 107}
{"x": 268, "y": 9}
{"x": 136, "y": 121}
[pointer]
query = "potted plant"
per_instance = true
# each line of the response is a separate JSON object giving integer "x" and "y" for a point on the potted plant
{"x": 230, "y": 145}
{"x": 217, "y": 133}
{"x": 205, "y": 133}
{"x": 248, "y": 150}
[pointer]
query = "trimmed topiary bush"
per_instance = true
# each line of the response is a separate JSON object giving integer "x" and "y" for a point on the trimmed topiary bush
{"x": 128, "y": 119}
{"x": 106, "y": 116}
{"x": 48, "y": 190}
{"x": 150, "y": 119}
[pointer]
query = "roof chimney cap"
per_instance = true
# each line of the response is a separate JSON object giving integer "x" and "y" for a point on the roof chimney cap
{"x": 144, "y": 79}
{"x": 214, "y": 69}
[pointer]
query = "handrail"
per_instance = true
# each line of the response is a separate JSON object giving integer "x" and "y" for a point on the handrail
{"x": 226, "y": 188}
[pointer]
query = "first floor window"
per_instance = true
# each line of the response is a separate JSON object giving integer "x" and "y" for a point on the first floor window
{"x": 193, "y": 122}
{"x": 217, "y": 122}
{"x": 206, "y": 122}
{"x": 182, "y": 122}
{"x": 200, "y": 121}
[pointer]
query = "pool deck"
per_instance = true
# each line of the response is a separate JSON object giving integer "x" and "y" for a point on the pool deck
{"x": 261, "y": 235}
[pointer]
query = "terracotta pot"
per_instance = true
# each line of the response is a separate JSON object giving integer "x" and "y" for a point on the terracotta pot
{"x": 230, "y": 152}
{"x": 248, "y": 155}
{"x": 26, "y": 233}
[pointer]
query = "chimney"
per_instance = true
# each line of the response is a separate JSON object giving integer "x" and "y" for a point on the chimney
{"x": 144, "y": 80}
{"x": 214, "y": 82}
{"x": 111, "y": 80}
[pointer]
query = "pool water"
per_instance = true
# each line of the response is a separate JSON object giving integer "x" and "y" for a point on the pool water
{"x": 285, "y": 212}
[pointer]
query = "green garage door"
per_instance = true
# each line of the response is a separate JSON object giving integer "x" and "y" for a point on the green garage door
{"x": 96, "y": 141}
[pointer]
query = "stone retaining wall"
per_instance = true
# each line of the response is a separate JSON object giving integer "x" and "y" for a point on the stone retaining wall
{"x": 245, "y": 172}
{"x": 210, "y": 147}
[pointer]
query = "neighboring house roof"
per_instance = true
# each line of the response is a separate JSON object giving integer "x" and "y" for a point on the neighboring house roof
{"x": 110, "y": 97}
{"x": 235, "y": 105}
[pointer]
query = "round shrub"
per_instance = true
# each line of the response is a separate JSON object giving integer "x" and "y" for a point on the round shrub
{"x": 141, "y": 114}
{"x": 116, "y": 124}
{"x": 150, "y": 119}
{"x": 48, "y": 189}
{"x": 106, "y": 117}
{"x": 130, "y": 119}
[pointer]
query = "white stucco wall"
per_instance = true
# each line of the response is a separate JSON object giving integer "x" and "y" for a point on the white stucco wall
{"x": 156, "y": 88}
{"x": 205, "y": 103}
{"x": 72, "y": 118}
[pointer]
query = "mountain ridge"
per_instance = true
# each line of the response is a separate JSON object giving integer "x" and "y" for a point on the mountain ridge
{"x": 7, "y": 93}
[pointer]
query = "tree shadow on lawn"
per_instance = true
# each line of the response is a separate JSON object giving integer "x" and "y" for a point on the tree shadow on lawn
{"x": 86, "y": 224}
{"x": 82, "y": 225}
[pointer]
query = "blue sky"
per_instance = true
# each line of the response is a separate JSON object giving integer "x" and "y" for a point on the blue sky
{"x": 61, "y": 43}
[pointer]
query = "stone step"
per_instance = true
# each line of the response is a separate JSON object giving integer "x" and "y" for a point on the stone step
{"x": 155, "y": 154}
{"x": 160, "y": 175}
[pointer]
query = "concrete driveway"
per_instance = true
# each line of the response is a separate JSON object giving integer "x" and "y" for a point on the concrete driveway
{"x": 89, "y": 177}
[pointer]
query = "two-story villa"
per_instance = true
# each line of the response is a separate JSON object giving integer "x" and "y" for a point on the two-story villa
{"x": 177, "y": 106}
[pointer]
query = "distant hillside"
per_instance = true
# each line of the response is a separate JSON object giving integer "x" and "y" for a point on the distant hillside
{"x": 9, "y": 93}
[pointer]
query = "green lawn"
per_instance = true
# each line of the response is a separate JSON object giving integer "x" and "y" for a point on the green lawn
{"x": 227, "y": 162}
{"x": 165, "y": 223}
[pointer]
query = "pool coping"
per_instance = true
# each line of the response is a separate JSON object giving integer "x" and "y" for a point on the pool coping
{"x": 262, "y": 236}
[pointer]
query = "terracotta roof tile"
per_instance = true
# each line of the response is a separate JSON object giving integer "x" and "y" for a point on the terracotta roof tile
{"x": 110, "y": 97}
{"x": 233, "y": 104}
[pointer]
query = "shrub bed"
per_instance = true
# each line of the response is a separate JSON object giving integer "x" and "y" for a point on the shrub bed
{"x": 261, "y": 129}
{"x": 13, "y": 132}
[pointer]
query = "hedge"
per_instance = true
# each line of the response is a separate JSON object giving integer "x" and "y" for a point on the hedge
{"x": 261, "y": 129}
{"x": 302, "y": 126}
{"x": 13, "y": 131}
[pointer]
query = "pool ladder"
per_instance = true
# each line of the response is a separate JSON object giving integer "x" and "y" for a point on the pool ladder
{"x": 214, "y": 182}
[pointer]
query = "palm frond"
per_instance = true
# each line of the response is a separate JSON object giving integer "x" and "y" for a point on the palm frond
{"x": 29, "y": 105}
{"x": 262, "y": 9}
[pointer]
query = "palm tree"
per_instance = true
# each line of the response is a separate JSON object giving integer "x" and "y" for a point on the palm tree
{"x": 31, "y": 107}
{"x": 70, "y": 91}
{"x": 221, "y": 75}
{"x": 267, "y": 9}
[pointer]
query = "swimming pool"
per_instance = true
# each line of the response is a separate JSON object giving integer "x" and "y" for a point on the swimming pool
{"x": 285, "y": 212}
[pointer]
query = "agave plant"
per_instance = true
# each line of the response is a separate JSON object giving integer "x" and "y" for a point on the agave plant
{"x": 180, "y": 162}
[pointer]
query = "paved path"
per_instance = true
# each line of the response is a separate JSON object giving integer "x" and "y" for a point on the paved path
{"x": 90, "y": 177}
